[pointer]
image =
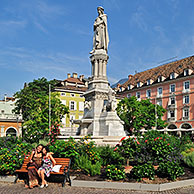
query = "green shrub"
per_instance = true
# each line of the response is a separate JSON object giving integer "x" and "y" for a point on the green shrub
{"x": 65, "y": 149}
{"x": 85, "y": 164}
{"x": 143, "y": 171}
{"x": 128, "y": 147}
{"x": 189, "y": 159}
{"x": 114, "y": 172}
{"x": 109, "y": 156}
{"x": 87, "y": 146}
{"x": 188, "y": 148}
{"x": 170, "y": 169}
{"x": 12, "y": 153}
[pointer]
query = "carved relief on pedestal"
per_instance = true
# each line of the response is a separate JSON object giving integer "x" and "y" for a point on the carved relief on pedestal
{"x": 101, "y": 95}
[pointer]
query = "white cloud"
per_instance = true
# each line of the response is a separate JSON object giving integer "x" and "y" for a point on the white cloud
{"x": 138, "y": 18}
{"x": 12, "y": 25}
{"x": 52, "y": 64}
{"x": 40, "y": 26}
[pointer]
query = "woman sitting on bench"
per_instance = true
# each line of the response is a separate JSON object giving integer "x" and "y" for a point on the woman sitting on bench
{"x": 46, "y": 168}
{"x": 33, "y": 166}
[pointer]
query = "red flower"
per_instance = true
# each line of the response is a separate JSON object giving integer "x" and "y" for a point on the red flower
{"x": 157, "y": 138}
{"x": 168, "y": 144}
{"x": 146, "y": 140}
{"x": 115, "y": 148}
{"x": 138, "y": 142}
{"x": 122, "y": 138}
{"x": 164, "y": 139}
{"x": 161, "y": 138}
{"x": 134, "y": 138}
{"x": 154, "y": 139}
{"x": 129, "y": 137}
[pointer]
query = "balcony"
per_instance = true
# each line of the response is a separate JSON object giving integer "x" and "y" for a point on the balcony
{"x": 185, "y": 118}
{"x": 10, "y": 117}
{"x": 171, "y": 119}
{"x": 186, "y": 91}
{"x": 171, "y": 106}
{"x": 159, "y": 96}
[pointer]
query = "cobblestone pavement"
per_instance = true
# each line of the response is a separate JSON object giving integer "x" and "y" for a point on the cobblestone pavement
{"x": 10, "y": 188}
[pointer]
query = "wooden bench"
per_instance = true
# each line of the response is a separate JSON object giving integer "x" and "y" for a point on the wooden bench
{"x": 64, "y": 170}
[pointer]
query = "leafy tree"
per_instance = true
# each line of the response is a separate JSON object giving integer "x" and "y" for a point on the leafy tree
{"x": 140, "y": 114}
{"x": 33, "y": 103}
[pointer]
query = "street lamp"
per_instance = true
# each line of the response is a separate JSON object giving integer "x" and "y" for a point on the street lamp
{"x": 71, "y": 120}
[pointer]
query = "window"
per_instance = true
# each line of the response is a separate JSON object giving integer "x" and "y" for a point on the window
{"x": 128, "y": 95}
{"x": 160, "y": 91}
{"x": 159, "y": 78}
{"x": 138, "y": 84}
{"x": 171, "y": 114}
{"x": 186, "y": 85}
{"x": 148, "y": 82}
{"x": 172, "y": 100}
{"x": 72, "y": 105}
{"x": 138, "y": 95}
{"x": 172, "y": 75}
{"x": 172, "y": 88}
{"x": 186, "y": 72}
{"x": 148, "y": 93}
{"x": 72, "y": 95}
{"x": 129, "y": 87}
{"x": 63, "y": 94}
{"x": 186, "y": 112}
{"x": 186, "y": 99}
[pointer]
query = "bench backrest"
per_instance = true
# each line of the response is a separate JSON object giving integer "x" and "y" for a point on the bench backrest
{"x": 65, "y": 162}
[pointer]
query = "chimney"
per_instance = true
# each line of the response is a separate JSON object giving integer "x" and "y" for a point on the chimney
{"x": 68, "y": 75}
{"x": 81, "y": 77}
{"x": 130, "y": 76}
{"x": 74, "y": 75}
{"x": 5, "y": 97}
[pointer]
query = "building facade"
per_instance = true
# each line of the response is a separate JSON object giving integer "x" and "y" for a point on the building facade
{"x": 71, "y": 91}
{"x": 10, "y": 123}
{"x": 171, "y": 86}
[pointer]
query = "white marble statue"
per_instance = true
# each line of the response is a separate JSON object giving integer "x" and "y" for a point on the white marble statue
{"x": 100, "y": 39}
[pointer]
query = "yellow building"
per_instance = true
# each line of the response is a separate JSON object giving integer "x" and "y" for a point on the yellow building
{"x": 71, "y": 94}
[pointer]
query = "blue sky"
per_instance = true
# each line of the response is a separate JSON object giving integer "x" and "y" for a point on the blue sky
{"x": 50, "y": 38}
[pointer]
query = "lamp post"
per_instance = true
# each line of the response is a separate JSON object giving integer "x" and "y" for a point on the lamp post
{"x": 49, "y": 106}
{"x": 71, "y": 120}
{"x": 156, "y": 113}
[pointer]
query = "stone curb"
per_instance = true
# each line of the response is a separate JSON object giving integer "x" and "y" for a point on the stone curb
{"x": 7, "y": 179}
{"x": 132, "y": 186}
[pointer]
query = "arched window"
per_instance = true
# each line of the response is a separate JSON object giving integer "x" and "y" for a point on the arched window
{"x": 172, "y": 126}
{"x": 11, "y": 132}
{"x": 186, "y": 126}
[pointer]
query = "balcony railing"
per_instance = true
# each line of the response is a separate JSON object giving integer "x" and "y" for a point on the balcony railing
{"x": 171, "y": 119}
{"x": 179, "y": 132}
{"x": 11, "y": 116}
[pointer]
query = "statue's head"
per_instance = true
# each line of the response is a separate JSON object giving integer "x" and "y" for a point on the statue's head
{"x": 100, "y": 9}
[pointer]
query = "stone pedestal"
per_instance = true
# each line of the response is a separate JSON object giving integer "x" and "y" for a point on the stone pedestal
{"x": 98, "y": 119}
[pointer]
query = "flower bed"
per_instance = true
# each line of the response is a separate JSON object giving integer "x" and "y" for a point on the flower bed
{"x": 107, "y": 163}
